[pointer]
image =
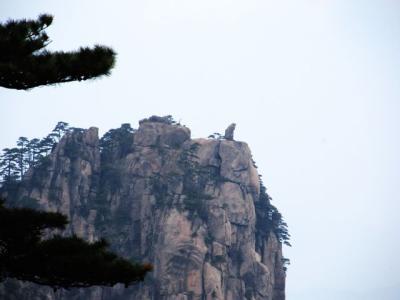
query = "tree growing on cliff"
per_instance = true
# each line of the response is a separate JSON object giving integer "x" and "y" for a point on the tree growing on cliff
{"x": 22, "y": 144}
{"x": 14, "y": 162}
{"x": 269, "y": 218}
{"x": 57, "y": 261}
{"x": 60, "y": 129}
{"x": 24, "y": 254}
{"x": 25, "y": 63}
{"x": 9, "y": 165}
{"x": 60, "y": 262}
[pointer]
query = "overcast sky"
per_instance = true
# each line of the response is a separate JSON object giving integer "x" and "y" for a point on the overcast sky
{"x": 313, "y": 86}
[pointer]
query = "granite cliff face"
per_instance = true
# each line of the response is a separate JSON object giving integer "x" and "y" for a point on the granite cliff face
{"x": 188, "y": 206}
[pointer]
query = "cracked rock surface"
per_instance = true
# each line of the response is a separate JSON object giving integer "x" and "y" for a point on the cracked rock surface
{"x": 185, "y": 205}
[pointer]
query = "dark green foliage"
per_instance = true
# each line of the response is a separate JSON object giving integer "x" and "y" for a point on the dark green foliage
{"x": 159, "y": 188}
{"x": 250, "y": 283}
{"x": 27, "y": 226}
{"x": 41, "y": 169}
{"x": 279, "y": 226}
{"x": 46, "y": 145}
{"x": 15, "y": 162}
{"x": 60, "y": 129}
{"x": 195, "y": 179}
{"x": 72, "y": 262}
{"x": 216, "y": 136}
{"x": 116, "y": 143}
{"x": 166, "y": 120}
{"x": 76, "y": 129}
{"x": 22, "y": 144}
{"x": 25, "y": 63}
{"x": 33, "y": 152}
{"x": 269, "y": 218}
{"x": 110, "y": 177}
{"x": 254, "y": 163}
{"x": 285, "y": 263}
{"x": 9, "y": 170}
{"x": 236, "y": 255}
{"x": 196, "y": 206}
{"x": 72, "y": 149}
{"x": 188, "y": 159}
{"x": 60, "y": 262}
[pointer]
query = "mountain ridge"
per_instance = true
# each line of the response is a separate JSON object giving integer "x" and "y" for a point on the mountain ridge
{"x": 194, "y": 208}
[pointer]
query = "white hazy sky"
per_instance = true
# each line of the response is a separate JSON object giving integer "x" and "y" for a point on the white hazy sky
{"x": 313, "y": 86}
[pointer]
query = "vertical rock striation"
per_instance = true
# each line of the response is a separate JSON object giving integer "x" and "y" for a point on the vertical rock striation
{"x": 185, "y": 205}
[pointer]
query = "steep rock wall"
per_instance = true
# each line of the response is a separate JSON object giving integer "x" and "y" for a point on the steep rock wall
{"x": 185, "y": 205}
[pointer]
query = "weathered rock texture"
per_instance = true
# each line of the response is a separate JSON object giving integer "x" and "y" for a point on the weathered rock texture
{"x": 185, "y": 205}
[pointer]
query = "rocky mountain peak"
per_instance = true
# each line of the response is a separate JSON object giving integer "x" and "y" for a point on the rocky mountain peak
{"x": 194, "y": 208}
{"x": 153, "y": 132}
